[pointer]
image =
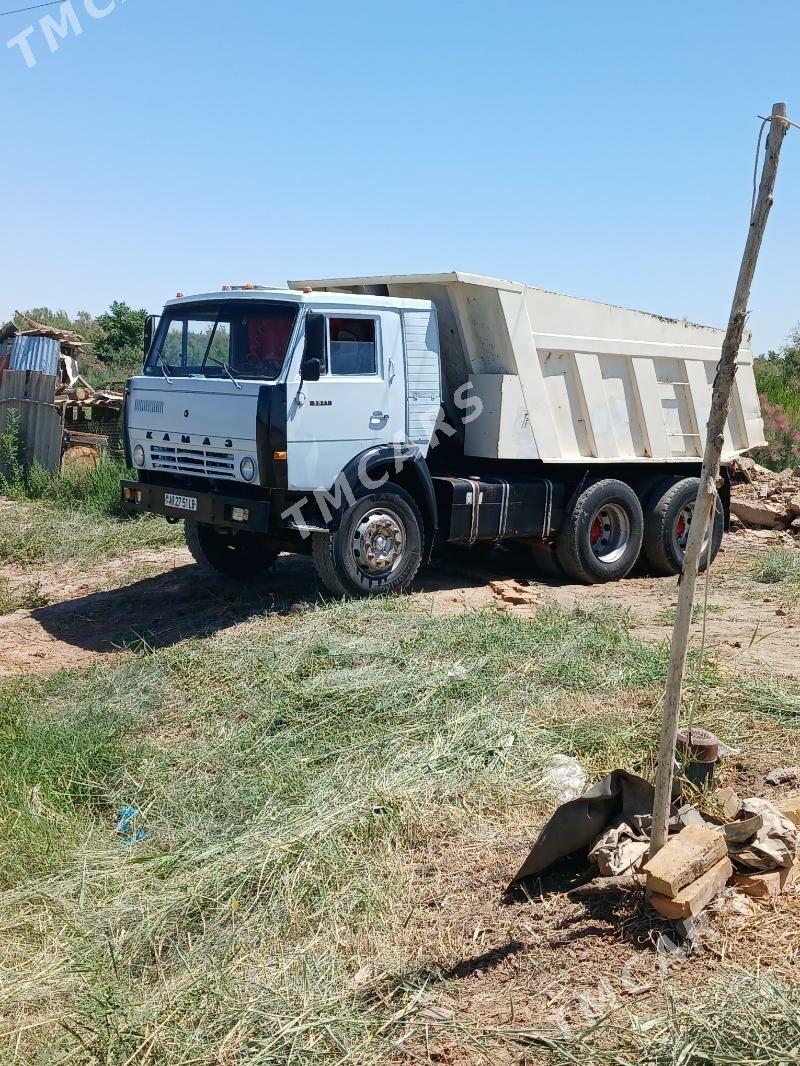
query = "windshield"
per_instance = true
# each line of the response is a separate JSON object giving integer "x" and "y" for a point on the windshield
{"x": 226, "y": 339}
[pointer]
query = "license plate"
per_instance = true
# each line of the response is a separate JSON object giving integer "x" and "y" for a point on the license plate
{"x": 180, "y": 503}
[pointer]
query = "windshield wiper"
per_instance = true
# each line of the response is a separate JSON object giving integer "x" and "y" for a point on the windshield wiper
{"x": 227, "y": 370}
{"x": 163, "y": 366}
{"x": 210, "y": 342}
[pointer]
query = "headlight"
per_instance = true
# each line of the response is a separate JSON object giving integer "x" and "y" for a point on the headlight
{"x": 248, "y": 468}
{"x": 138, "y": 455}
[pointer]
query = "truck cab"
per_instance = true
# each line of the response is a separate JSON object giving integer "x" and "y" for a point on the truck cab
{"x": 261, "y": 415}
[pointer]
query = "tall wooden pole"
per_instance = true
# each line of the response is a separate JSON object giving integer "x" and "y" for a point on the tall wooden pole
{"x": 706, "y": 493}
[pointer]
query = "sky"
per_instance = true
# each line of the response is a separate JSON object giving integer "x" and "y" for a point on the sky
{"x": 600, "y": 149}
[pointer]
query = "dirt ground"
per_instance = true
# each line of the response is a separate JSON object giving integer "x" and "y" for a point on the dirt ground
{"x": 161, "y": 598}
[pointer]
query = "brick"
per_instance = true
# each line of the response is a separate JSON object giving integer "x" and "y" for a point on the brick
{"x": 684, "y": 858}
{"x": 768, "y": 884}
{"x": 694, "y": 897}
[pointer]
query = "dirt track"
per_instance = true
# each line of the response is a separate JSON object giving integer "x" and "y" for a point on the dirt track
{"x": 162, "y": 597}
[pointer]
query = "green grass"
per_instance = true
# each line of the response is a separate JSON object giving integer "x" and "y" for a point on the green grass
{"x": 73, "y": 520}
{"x": 781, "y": 566}
{"x": 667, "y": 616}
{"x": 40, "y": 533}
{"x": 288, "y": 775}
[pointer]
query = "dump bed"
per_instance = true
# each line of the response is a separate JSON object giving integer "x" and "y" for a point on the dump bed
{"x": 569, "y": 380}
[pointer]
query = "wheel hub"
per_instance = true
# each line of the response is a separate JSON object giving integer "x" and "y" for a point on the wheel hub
{"x": 683, "y": 525}
{"x": 609, "y": 533}
{"x": 378, "y": 542}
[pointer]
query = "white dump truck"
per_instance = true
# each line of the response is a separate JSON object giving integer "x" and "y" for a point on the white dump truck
{"x": 371, "y": 421}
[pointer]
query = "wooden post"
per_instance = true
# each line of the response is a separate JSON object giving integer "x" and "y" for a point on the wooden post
{"x": 706, "y": 493}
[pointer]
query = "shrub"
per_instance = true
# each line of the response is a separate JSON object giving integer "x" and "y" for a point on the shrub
{"x": 783, "y": 437}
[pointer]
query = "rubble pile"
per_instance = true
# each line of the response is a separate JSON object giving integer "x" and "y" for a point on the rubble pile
{"x": 764, "y": 499}
{"x": 721, "y": 847}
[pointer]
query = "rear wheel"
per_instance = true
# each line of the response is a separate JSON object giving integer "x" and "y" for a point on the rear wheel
{"x": 602, "y": 533}
{"x": 668, "y": 519}
{"x": 376, "y": 549}
{"x": 229, "y": 552}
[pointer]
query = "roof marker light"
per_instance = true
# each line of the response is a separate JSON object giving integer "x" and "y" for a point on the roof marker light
{"x": 307, "y": 288}
{"x": 178, "y": 295}
{"x": 226, "y": 288}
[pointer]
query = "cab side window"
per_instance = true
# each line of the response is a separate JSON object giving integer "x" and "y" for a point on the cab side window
{"x": 352, "y": 346}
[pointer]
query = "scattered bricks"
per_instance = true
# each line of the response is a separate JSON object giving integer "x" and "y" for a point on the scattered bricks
{"x": 694, "y": 897}
{"x": 790, "y": 807}
{"x": 768, "y": 884}
{"x": 683, "y": 859}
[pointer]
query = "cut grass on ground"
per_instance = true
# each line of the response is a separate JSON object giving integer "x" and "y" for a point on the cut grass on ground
{"x": 288, "y": 777}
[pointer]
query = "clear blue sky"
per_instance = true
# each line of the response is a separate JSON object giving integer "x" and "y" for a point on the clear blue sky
{"x": 599, "y": 149}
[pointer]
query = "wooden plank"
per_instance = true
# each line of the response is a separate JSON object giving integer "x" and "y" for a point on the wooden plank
{"x": 684, "y": 858}
{"x": 595, "y": 403}
{"x": 695, "y": 896}
{"x": 653, "y": 424}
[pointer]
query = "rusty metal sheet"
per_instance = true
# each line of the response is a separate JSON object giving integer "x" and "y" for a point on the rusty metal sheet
{"x": 35, "y": 353}
{"x": 27, "y": 397}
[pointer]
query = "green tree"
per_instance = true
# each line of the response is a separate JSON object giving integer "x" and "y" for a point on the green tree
{"x": 123, "y": 329}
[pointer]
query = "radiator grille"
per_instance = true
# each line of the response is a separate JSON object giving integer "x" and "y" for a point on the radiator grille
{"x": 202, "y": 461}
{"x": 152, "y": 407}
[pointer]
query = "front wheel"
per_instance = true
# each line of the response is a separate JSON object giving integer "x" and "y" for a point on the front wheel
{"x": 229, "y": 552}
{"x": 376, "y": 549}
{"x": 602, "y": 533}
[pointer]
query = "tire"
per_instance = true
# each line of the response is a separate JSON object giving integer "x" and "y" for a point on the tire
{"x": 386, "y": 522}
{"x": 233, "y": 554}
{"x": 601, "y": 537}
{"x": 666, "y": 526}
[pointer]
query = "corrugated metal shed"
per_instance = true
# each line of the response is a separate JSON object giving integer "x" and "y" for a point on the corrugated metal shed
{"x": 27, "y": 398}
{"x": 40, "y": 354}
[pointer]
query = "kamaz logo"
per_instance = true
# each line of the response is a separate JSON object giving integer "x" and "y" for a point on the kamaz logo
{"x": 186, "y": 439}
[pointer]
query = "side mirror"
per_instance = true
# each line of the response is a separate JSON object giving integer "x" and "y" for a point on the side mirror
{"x": 150, "y": 332}
{"x": 311, "y": 370}
{"x": 314, "y": 350}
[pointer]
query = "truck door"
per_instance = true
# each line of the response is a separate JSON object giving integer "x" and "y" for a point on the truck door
{"x": 358, "y": 402}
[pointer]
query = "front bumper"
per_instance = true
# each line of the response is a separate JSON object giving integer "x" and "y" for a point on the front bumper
{"x": 213, "y": 509}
